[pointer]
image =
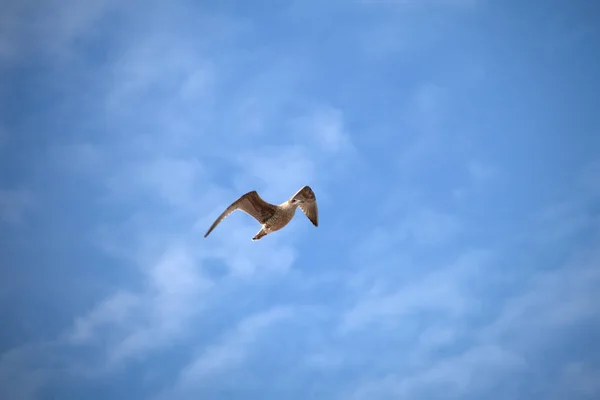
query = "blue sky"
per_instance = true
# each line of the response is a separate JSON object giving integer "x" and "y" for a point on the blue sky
{"x": 454, "y": 148}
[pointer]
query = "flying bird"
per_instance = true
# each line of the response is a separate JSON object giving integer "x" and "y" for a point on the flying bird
{"x": 273, "y": 217}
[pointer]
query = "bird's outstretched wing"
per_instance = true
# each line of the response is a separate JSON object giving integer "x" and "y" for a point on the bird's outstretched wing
{"x": 252, "y": 204}
{"x": 309, "y": 207}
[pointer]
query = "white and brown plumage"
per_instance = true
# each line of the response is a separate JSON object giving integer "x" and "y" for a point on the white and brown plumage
{"x": 270, "y": 216}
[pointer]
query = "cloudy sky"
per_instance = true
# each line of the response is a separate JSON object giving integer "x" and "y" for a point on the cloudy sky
{"x": 454, "y": 149}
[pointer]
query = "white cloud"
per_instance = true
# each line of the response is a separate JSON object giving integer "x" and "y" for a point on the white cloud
{"x": 277, "y": 172}
{"x": 417, "y": 226}
{"x": 175, "y": 294}
{"x": 162, "y": 64}
{"x": 461, "y": 375}
{"x": 47, "y": 27}
{"x": 116, "y": 308}
{"x": 163, "y": 118}
{"x": 324, "y": 126}
{"x": 542, "y": 309}
{"x": 174, "y": 180}
{"x": 170, "y": 103}
{"x": 442, "y": 291}
{"x": 553, "y": 300}
{"x": 136, "y": 323}
{"x": 230, "y": 352}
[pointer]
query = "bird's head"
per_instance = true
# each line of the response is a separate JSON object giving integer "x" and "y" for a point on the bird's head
{"x": 296, "y": 201}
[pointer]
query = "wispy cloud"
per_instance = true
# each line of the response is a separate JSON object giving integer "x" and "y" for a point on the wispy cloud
{"x": 554, "y": 299}
{"x": 504, "y": 333}
{"x": 231, "y": 351}
{"x": 51, "y": 27}
{"x": 441, "y": 291}
{"x": 148, "y": 167}
{"x": 432, "y": 275}
{"x": 325, "y": 128}
{"x": 458, "y": 376}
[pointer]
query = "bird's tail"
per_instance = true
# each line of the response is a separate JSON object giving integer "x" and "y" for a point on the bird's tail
{"x": 260, "y": 234}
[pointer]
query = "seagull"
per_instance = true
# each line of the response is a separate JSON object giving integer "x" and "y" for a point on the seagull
{"x": 270, "y": 216}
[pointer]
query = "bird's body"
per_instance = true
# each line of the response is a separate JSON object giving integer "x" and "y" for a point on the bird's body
{"x": 272, "y": 217}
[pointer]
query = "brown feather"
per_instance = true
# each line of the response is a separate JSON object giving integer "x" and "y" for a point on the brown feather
{"x": 309, "y": 207}
{"x": 251, "y": 203}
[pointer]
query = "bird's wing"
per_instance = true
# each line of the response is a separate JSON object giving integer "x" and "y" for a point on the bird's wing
{"x": 309, "y": 207}
{"x": 252, "y": 204}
